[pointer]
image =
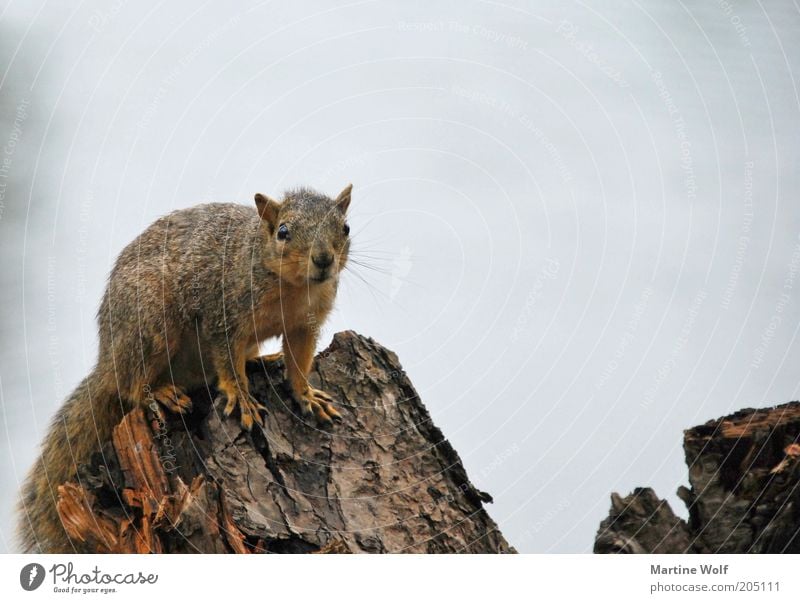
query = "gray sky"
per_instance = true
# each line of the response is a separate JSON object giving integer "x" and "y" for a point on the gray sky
{"x": 586, "y": 213}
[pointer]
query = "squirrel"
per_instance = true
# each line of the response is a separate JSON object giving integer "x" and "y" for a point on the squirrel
{"x": 192, "y": 296}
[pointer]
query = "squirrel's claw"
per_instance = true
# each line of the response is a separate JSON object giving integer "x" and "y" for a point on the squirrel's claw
{"x": 318, "y": 403}
{"x": 173, "y": 398}
{"x": 250, "y": 409}
{"x": 333, "y": 413}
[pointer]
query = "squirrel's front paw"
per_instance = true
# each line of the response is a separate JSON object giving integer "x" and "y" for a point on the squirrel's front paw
{"x": 317, "y": 402}
{"x": 249, "y": 408}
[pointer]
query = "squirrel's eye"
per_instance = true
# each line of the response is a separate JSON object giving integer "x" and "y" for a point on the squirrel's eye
{"x": 283, "y": 233}
{"x": 346, "y": 229}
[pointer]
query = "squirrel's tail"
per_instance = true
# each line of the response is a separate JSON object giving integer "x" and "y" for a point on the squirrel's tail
{"x": 81, "y": 426}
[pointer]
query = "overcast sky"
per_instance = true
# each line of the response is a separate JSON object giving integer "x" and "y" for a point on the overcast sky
{"x": 586, "y": 214}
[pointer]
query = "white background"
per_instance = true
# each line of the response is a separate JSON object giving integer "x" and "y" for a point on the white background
{"x": 577, "y": 258}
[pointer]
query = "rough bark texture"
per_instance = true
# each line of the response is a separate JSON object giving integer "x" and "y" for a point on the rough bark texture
{"x": 385, "y": 480}
{"x": 744, "y": 496}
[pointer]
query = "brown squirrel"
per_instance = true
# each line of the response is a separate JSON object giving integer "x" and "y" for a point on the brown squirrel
{"x": 193, "y": 296}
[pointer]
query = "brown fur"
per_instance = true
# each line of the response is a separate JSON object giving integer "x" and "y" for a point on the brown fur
{"x": 193, "y": 297}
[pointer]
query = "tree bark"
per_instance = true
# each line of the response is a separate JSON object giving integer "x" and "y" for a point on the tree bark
{"x": 744, "y": 496}
{"x": 385, "y": 480}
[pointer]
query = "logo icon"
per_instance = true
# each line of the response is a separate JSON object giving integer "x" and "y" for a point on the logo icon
{"x": 31, "y": 576}
{"x": 401, "y": 266}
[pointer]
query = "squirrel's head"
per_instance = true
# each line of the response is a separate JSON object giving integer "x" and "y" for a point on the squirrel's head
{"x": 307, "y": 234}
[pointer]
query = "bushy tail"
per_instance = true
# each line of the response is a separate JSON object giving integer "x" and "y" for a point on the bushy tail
{"x": 80, "y": 427}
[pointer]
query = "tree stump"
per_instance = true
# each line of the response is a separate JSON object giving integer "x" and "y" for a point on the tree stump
{"x": 744, "y": 472}
{"x": 385, "y": 480}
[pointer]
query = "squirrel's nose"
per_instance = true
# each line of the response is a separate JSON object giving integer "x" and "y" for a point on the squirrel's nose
{"x": 322, "y": 260}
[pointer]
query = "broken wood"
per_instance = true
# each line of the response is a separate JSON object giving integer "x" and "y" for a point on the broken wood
{"x": 744, "y": 496}
{"x": 385, "y": 480}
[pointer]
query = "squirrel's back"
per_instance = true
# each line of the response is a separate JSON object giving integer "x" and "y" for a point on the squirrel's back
{"x": 149, "y": 278}
{"x": 202, "y": 228}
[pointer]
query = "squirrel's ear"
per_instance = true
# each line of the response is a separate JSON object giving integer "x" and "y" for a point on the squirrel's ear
{"x": 268, "y": 209}
{"x": 343, "y": 200}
